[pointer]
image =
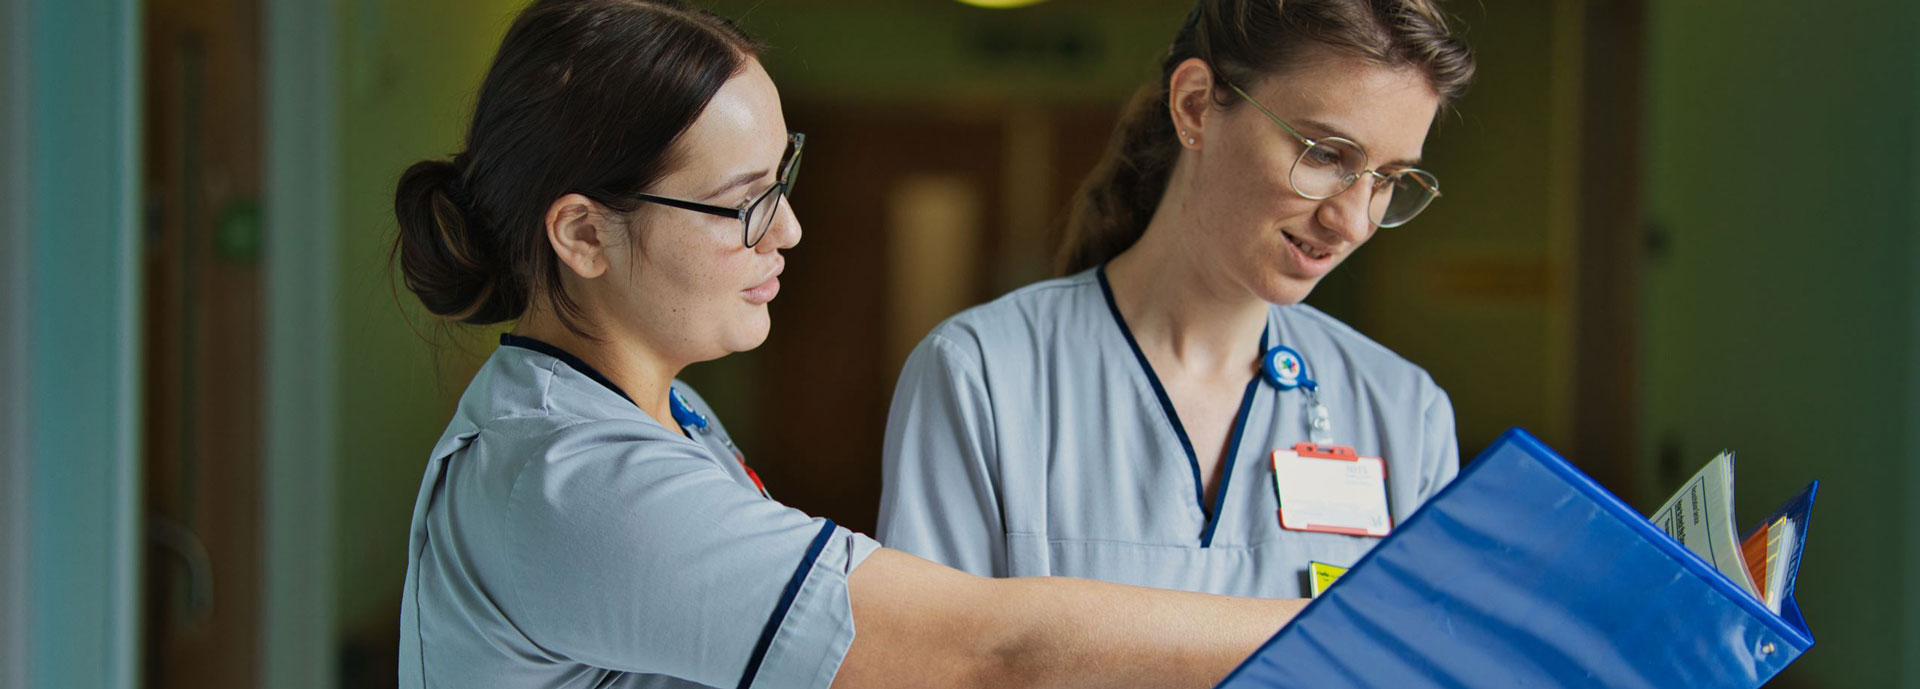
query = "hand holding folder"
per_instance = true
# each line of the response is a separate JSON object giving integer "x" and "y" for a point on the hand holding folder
{"x": 1525, "y": 573}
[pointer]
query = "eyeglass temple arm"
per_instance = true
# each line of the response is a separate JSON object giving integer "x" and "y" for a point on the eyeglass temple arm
{"x": 1304, "y": 141}
{"x": 798, "y": 140}
{"x": 721, "y": 211}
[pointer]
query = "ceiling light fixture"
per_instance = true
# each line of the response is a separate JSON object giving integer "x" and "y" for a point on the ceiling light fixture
{"x": 1000, "y": 4}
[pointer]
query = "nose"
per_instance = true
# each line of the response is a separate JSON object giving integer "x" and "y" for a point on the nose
{"x": 785, "y": 232}
{"x": 1346, "y": 213}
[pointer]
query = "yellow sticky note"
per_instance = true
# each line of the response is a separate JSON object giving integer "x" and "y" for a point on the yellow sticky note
{"x": 1323, "y": 576}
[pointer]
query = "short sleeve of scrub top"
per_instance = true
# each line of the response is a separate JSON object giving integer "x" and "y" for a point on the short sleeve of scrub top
{"x": 562, "y": 538}
{"x": 1029, "y": 437}
{"x": 940, "y": 501}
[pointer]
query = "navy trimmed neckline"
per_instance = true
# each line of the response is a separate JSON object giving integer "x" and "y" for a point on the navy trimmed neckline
{"x": 565, "y": 357}
{"x": 787, "y": 595}
{"x": 1173, "y": 417}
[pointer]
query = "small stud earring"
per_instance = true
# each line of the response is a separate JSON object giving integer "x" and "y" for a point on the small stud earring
{"x": 1191, "y": 140}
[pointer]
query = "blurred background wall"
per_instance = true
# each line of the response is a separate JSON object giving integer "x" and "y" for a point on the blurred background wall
{"x": 1669, "y": 228}
{"x": 1782, "y": 274}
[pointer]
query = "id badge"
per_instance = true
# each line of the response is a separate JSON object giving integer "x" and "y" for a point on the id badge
{"x": 1322, "y": 577}
{"x": 1332, "y": 489}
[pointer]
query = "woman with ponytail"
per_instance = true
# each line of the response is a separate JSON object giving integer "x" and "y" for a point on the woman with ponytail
{"x": 1157, "y": 416}
{"x": 585, "y": 521}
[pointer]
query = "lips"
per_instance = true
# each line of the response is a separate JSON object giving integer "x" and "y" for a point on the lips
{"x": 765, "y": 291}
{"x": 1308, "y": 249}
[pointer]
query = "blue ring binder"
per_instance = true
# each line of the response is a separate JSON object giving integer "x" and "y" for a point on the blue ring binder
{"x": 1524, "y": 572}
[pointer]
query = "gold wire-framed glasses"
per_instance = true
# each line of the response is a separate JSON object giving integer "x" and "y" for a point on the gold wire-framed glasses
{"x": 1329, "y": 165}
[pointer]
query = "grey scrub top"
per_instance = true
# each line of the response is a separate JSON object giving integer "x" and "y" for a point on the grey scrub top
{"x": 563, "y": 538}
{"x": 1030, "y": 437}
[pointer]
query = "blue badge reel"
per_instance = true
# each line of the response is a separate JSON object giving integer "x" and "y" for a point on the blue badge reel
{"x": 1286, "y": 369}
{"x": 696, "y": 422}
{"x": 684, "y": 414}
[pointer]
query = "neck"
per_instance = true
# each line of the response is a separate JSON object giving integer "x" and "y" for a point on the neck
{"x": 1178, "y": 305}
{"x": 638, "y": 369}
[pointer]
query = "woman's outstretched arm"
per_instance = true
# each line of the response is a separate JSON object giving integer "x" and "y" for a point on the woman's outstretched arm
{"x": 920, "y": 624}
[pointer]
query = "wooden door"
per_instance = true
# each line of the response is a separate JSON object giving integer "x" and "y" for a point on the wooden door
{"x": 203, "y": 337}
{"x": 910, "y": 214}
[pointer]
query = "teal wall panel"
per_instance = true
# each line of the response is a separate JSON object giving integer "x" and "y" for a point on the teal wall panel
{"x": 78, "y": 217}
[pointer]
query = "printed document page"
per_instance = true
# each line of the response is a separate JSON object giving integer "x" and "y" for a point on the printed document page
{"x": 1700, "y": 516}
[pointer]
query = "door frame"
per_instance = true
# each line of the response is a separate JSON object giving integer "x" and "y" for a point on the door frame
{"x": 299, "y": 626}
{"x": 61, "y": 554}
{"x": 70, "y": 431}
{"x": 13, "y": 296}
{"x": 1911, "y": 671}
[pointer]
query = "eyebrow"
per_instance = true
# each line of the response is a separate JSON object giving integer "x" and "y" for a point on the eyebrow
{"x": 1312, "y": 124}
{"x": 739, "y": 180}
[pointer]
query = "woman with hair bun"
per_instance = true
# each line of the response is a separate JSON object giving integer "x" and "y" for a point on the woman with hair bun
{"x": 585, "y": 521}
{"x": 1170, "y": 414}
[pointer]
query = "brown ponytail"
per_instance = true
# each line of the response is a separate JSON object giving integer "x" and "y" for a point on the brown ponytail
{"x": 1115, "y": 202}
{"x": 1243, "y": 40}
{"x": 584, "y": 97}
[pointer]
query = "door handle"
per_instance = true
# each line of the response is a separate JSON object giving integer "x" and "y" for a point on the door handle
{"x": 182, "y": 543}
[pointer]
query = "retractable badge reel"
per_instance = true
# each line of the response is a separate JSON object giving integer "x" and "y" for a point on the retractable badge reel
{"x": 1287, "y": 370}
{"x": 696, "y": 422}
{"x": 1323, "y": 487}
{"x": 684, "y": 414}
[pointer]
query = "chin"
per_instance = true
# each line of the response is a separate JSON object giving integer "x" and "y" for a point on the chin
{"x": 750, "y": 332}
{"x": 1273, "y": 285}
{"x": 1288, "y": 291}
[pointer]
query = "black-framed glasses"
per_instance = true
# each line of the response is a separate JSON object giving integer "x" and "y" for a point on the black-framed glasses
{"x": 756, "y": 215}
{"x": 1330, "y": 165}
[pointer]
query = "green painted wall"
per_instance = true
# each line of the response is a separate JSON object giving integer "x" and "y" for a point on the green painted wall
{"x": 408, "y": 74}
{"x": 1779, "y": 321}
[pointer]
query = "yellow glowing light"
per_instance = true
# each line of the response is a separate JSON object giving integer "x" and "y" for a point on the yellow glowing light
{"x": 1000, "y": 4}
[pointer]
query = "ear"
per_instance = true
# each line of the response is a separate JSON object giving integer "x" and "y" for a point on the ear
{"x": 1190, "y": 101}
{"x": 573, "y": 228}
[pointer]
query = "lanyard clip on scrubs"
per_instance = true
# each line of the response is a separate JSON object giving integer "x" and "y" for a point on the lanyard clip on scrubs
{"x": 696, "y": 422}
{"x": 1286, "y": 370}
{"x": 684, "y": 414}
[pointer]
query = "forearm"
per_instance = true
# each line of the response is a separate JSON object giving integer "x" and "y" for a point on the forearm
{"x": 1061, "y": 632}
{"x": 920, "y": 624}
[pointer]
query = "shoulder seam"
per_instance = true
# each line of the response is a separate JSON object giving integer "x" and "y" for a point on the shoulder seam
{"x": 949, "y": 346}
